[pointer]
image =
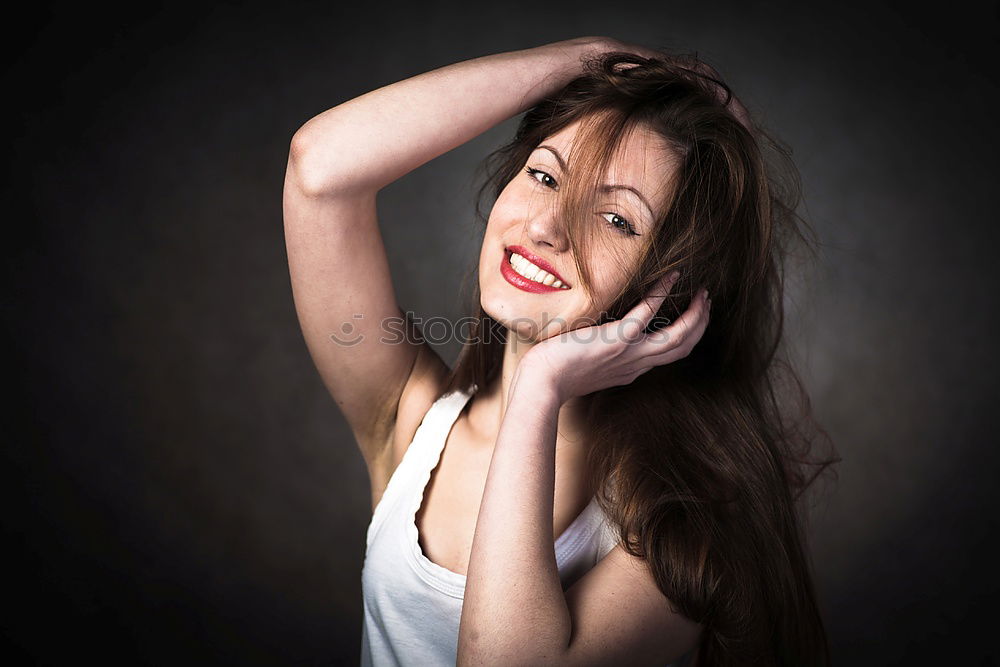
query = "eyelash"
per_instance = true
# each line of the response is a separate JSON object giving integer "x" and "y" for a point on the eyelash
{"x": 628, "y": 229}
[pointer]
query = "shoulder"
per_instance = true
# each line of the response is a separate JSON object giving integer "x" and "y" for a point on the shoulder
{"x": 619, "y": 613}
{"x": 425, "y": 384}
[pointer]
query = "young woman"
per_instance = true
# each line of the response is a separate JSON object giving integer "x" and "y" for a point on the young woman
{"x": 607, "y": 475}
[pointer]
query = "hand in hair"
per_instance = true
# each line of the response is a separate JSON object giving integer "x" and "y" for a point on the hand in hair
{"x": 733, "y": 104}
{"x": 641, "y": 51}
{"x": 592, "y": 358}
{"x": 690, "y": 62}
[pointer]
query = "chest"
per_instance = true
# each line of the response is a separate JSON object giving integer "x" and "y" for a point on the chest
{"x": 446, "y": 518}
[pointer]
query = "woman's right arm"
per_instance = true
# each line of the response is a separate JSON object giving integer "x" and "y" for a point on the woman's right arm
{"x": 338, "y": 162}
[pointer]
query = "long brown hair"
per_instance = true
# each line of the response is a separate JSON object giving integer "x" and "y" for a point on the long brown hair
{"x": 700, "y": 463}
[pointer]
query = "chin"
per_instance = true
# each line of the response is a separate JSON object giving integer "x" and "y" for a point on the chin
{"x": 523, "y": 327}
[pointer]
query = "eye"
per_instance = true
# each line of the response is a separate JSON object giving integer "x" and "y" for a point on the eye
{"x": 620, "y": 223}
{"x": 542, "y": 178}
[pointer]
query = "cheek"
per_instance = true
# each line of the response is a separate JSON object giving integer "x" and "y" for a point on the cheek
{"x": 607, "y": 281}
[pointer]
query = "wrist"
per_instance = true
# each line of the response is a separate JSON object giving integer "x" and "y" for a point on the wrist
{"x": 572, "y": 53}
{"x": 537, "y": 380}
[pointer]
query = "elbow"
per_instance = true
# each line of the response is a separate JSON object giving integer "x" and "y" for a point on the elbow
{"x": 309, "y": 166}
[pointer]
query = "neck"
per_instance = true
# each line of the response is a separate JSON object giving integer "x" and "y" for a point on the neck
{"x": 490, "y": 404}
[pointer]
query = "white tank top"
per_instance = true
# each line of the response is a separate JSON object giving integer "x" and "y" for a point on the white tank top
{"x": 412, "y": 606}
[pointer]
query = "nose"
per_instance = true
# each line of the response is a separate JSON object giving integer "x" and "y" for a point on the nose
{"x": 546, "y": 230}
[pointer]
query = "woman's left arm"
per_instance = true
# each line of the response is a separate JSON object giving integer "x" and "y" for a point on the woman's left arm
{"x": 515, "y": 609}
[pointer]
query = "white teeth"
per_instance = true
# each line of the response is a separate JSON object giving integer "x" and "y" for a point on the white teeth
{"x": 525, "y": 268}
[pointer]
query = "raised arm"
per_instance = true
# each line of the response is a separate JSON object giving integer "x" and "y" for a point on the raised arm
{"x": 366, "y": 143}
{"x": 338, "y": 162}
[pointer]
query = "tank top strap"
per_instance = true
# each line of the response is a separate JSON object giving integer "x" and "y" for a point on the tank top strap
{"x": 421, "y": 455}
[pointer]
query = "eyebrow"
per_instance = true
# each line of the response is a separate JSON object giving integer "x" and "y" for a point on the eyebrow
{"x": 605, "y": 188}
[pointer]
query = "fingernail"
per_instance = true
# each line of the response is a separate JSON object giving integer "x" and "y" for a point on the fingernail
{"x": 674, "y": 276}
{"x": 706, "y": 294}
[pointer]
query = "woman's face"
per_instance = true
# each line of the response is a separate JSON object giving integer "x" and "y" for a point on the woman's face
{"x": 527, "y": 276}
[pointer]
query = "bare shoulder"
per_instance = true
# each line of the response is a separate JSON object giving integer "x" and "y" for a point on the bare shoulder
{"x": 620, "y": 615}
{"x": 425, "y": 384}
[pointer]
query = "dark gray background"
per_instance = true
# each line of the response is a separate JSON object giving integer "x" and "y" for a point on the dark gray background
{"x": 177, "y": 485}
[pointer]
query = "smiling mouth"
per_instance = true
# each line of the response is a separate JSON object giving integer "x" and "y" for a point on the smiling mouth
{"x": 524, "y": 274}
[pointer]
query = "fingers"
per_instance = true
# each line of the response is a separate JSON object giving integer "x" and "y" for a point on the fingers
{"x": 637, "y": 319}
{"x": 677, "y": 340}
{"x": 735, "y": 107}
{"x": 741, "y": 113}
{"x": 659, "y": 349}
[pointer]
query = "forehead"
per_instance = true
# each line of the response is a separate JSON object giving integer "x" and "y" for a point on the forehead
{"x": 642, "y": 159}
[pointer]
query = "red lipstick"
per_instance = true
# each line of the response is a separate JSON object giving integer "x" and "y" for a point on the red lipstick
{"x": 519, "y": 281}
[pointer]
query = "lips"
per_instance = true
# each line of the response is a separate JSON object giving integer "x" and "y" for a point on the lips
{"x": 519, "y": 281}
{"x": 535, "y": 259}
